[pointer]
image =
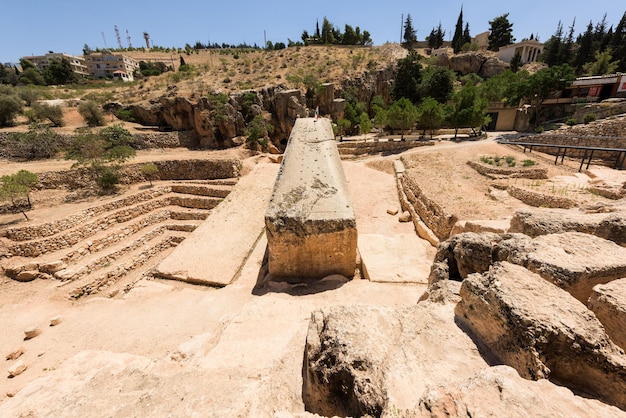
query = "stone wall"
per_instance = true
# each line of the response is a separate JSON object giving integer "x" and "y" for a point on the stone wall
{"x": 144, "y": 140}
{"x": 542, "y": 200}
{"x": 129, "y": 174}
{"x": 431, "y": 213}
{"x": 508, "y": 172}
{"x": 36, "y": 240}
{"x": 355, "y": 148}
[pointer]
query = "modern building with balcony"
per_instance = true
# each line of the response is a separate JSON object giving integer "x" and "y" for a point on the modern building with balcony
{"x": 43, "y": 61}
{"x": 111, "y": 65}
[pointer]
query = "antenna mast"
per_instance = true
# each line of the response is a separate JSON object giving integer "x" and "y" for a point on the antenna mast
{"x": 146, "y": 36}
{"x": 130, "y": 45}
{"x": 117, "y": 36}
{"x": 105, "y": 40}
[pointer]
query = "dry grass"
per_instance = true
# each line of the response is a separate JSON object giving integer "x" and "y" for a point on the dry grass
{"x": 227, "y": 71}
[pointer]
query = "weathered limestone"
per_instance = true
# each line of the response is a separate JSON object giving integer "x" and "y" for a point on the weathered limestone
{"x": 611, "y": 226}
{"x": 370, "y": 360}
{"x": 608, "y": 302}
{"x": 310, "y": 222}
{"x": 500, "y": 392}
{"x": 573, "y": 261}
{"x": 216, "y": 250}
{"x": 522, "y": 321}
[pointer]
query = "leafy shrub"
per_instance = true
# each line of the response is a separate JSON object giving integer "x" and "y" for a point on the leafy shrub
{"x": 571, "y": 122}
{"x": 10, "y": 107}
{"x": 29, "y": 94}
{"x": 54, "y": 113}
{"x": 125, "y": 114}
{"x": 38, "y": 143}
{"x": 149, "y": 171}
{"x": 108, "y": 178}
{"x": 528, "y": 163}
{"x": 589, "y": 117}
{"x": 91, "y": 113}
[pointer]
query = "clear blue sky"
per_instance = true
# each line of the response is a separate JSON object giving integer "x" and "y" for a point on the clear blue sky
{"x": 66, "y": 25}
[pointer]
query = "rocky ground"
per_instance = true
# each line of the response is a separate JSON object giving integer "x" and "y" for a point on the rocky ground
{"x": 143, "y": 346}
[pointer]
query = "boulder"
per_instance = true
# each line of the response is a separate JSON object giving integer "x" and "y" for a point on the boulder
{"x": 375, "y": 360}
{"x": 535, "y": 222}
{"x": 520, "y": 320}
{"x": 608, "y": 302}
{"x": 147, "y": 113}
{"x": 573, "y": 261}
{"x": 484, "y": 64}
{"x": 463, "y": 254}
{"x": 17, "y": 368}
{"x": 52, "y": 266}
{"x": 27, "y": 276}
{"x": 500, "y": 392}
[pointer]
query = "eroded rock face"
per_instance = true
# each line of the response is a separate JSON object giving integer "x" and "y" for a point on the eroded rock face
{"x": 523, "y": 321}
{"x": 611, "y": 226}
{"x": 374, "y": 360}
{"x": 500, "y": 392}
{"x": 574, "y": 261}
{"x": 484, "y": 65}
{"x": 608, "y": 302}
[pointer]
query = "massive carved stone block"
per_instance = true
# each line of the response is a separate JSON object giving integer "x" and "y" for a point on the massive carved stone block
{"x": 310, "y": 222}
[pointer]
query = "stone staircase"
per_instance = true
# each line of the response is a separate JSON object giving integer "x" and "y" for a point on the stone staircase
{"x": 112, "y": 245}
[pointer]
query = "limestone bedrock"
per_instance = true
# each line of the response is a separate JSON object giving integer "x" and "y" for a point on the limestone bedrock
{"x": 310, "y": 221}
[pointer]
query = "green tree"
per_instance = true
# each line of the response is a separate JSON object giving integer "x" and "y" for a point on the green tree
{"x": 467, "y": 108}
{"x": 349, "y": 36}
{"x": 328, "y": 32}
{"x": 500, "y": 32}
{"x": 585, "y": 51}
{"x": 408, "y": 78}
{"x": 602, "y": 65}
{"x": 552, "y": 47}
{"x": 149, "y": 171}
{"x": 516, "y": 62}
{"x": 409, "y": 31}
{"x": 32, "y": 76}
{"x": 258, "y": 132}
{"x": 457, "y": 39}
{"x": 59, "y": 72}
{"x": 102, "y": 152}
{"x": 436, "y": 37}
{"x": 343, "y": 125}
{"x": 10, "y": 107}
{"x": 402, "y": 115}
{"x": 618, "y": 43}
{"x": 18, "y": 186}
{"x": 91, "y": 113}
{"x": 431, "y": 114}
{"x": 365, "y": 124}
{"x": 535, "y": 88}
{"x": 438, "y": 83}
